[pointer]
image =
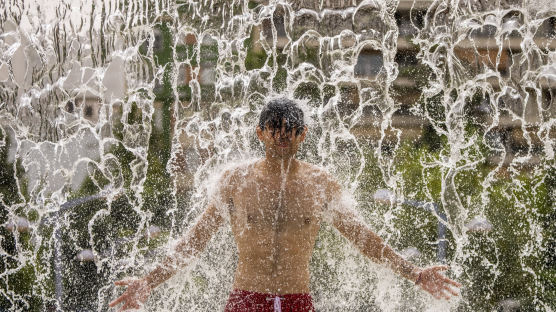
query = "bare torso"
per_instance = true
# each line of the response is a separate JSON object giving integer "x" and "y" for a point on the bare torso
{"x": 275, "y": 221}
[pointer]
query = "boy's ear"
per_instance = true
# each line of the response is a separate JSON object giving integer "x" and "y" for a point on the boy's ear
{"x": 259, "y": 133}
{"x": 303, "y": 134}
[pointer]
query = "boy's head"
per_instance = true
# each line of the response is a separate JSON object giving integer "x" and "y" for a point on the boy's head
{"x": 282, "y": 111}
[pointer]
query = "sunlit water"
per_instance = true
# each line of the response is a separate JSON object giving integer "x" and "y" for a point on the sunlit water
{"x": 79, "y": 82}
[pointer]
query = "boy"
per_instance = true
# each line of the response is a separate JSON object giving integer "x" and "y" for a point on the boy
{"x": 275, "y": 206}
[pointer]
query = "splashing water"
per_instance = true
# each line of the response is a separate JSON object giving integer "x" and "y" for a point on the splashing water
{"x": 118, "y": 116}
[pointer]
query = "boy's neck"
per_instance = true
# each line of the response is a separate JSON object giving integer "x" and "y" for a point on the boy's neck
{"x": 277, "y": 165}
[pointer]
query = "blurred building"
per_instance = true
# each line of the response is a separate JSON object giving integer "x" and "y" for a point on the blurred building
{"x": 479, "y": 51}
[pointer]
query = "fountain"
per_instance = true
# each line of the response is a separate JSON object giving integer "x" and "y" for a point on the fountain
{"x": 117, "y": 116}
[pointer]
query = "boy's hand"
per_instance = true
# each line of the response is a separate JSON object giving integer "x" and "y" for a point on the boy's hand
{"x": 134, "y": 296}
{"x": 438, "y": 285}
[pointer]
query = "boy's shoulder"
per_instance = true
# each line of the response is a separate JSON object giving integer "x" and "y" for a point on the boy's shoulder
{"x": 311, "y": 168}
{"x": 237, "y": 170}
{"x": 317, "y": 173}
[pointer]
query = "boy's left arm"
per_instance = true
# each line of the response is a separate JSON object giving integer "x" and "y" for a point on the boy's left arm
{"x": 345, "y": 219}
{"x": 372, "y": 246}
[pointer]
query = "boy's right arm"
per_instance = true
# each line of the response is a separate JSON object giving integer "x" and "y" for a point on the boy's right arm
{"x": 188, "y": 247}
{"x": 193, "y": 243}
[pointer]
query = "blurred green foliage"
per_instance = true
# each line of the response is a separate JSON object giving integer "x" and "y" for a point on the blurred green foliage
{"x": 515, "y": 260}
{"x": 24, "y": 281}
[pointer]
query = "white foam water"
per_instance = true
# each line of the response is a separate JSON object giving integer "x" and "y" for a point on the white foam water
{"x": 89, "y": 197}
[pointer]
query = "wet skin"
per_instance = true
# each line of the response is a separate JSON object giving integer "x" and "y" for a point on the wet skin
{"x": 276, "y": 206}
{"x": 275, "y": 221}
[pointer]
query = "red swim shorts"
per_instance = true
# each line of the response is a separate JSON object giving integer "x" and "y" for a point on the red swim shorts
{"x": 248, "y": 301}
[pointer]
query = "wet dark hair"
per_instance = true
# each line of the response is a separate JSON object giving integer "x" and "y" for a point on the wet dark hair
{"x": 282, "y": 109}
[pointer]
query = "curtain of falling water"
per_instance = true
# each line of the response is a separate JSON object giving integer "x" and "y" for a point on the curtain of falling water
{"x": 521, "y": 94}
{"x": 86, "y": 85}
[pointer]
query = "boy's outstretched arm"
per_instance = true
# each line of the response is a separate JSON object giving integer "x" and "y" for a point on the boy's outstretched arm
{"x": 194, "y": 242}
{"x": 371, "y": 245}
